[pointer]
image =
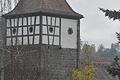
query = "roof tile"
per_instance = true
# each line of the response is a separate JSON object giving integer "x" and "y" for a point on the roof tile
{"x": 59, "y": 7}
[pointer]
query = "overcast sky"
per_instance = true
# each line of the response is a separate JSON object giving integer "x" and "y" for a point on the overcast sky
{"x": 95, "y": 27}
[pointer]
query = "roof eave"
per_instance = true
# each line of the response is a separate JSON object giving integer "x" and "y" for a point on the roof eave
{"x": 76, "y": 16}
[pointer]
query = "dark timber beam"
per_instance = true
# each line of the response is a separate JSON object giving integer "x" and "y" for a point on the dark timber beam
{"x": 78, "y": 44}
{"x": 34, "y": 30}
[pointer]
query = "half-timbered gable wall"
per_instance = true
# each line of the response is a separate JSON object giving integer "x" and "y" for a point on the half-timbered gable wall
{"x": 23, "y": 31}
{"x": 51, "y": 28}
{"x": 55, "y": 31}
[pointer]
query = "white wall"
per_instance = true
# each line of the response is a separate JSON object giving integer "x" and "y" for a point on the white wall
{"x": 68, "y": 41}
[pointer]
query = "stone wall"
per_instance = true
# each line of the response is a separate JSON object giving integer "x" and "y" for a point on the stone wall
{"x": 2, "y": 40}
{"x": 39, "y": 62}
{"x": 58, "y": 62}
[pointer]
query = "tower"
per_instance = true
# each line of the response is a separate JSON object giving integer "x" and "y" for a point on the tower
{"x": 41, "y": 40}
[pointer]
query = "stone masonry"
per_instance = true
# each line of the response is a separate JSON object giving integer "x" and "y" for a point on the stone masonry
{"x": 39, "y": 62}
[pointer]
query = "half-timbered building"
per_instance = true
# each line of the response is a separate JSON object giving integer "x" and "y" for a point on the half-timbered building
{"x": 42, "y": 40}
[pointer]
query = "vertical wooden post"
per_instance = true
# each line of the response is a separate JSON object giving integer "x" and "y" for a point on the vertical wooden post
{"x": 34, "y": 30}
{"x": 60, "y": 33}
{"x": 78, "y": 44}
{"x": 22, "y": 30}
{"x": 27, "y": 31}
{"x": 40, "y": 30}
{"x": 40, "y": 42}
{"x": 47, "y": 30}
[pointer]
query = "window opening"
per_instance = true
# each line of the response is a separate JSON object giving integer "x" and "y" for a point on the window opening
{"x": 70, "y": 31}
{"x": 14, "y": 31}
{"x": 31, "y": 29}
{"x": 51, "y": 29}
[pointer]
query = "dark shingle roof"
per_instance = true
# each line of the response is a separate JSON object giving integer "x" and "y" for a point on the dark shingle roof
{"x": 59, "y": 7}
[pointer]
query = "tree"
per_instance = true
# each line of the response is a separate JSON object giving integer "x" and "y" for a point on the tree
{"x": 88, "y": 72}
{"x": 111, "y": 14}
{"x": 101, "y": 48}
{"x": 88, "y": 50}
{"x": 78, "y": 74}
{"x": 115, "y": 15}
{"x": 7, "y": 5}
{"x": 118, "y": 36}
{"x": 114, "y": 69}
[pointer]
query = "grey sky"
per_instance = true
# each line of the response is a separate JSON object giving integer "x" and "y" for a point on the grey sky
{"x": 95, "y": 27}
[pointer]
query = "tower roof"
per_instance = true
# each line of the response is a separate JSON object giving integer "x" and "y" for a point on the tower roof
{"x": 56, "y": 7}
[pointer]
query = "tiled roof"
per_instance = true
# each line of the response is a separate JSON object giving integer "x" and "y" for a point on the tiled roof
{"x": 59, "y": 7}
